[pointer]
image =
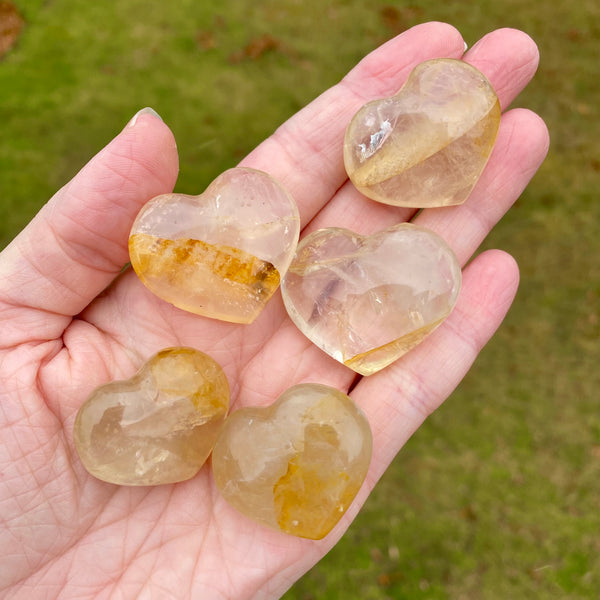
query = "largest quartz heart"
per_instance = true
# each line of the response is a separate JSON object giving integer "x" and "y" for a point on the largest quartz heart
{"x": 427, "y": 145}
{"x": 157, "y": 427}
{"x": 295, "y": 465}
{"x": 220, "y": 254}
{"x": 367, "y": 300}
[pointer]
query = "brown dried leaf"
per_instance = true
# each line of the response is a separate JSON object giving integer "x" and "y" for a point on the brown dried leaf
{"x": 206, "y": 40}
{"x": 11, "y": 24}
{"x": 256, "y": 48}
{"x": 468, "y": 513}
{"x": 376, "y": 554}
{"x": 399, "y": 19}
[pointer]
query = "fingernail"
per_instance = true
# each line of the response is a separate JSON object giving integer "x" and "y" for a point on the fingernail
{"x": 466, "y": 47}
{"x": 144, "y": 111}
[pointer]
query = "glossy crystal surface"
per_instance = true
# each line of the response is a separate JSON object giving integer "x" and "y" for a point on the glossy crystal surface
{"x": 221, "y": 254}
{"x": 367, "y": 300}
{"x": 427, "y": 145}
{"x": 157, "y": 427}
{"x": 296, "y": 465}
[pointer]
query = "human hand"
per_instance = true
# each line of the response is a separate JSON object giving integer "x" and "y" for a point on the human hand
{"x": 70, "y": 321}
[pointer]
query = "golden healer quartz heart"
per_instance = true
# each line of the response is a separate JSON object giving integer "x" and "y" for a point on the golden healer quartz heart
{"x": 367, "y": 300}
{"x": 427, "y": 145}
{"x": 157, "y": 427}
{"x": 221, "y": 254}
{"x": 296, "y": 465}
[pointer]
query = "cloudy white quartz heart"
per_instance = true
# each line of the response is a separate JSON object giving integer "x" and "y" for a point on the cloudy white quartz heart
{"x": 367, "y": 300}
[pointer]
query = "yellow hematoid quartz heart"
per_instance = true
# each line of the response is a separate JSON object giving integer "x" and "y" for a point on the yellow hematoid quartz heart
{"x": 221, "y": 254}
{"x": 427, "y": 145}
{"x": 367, "y": 300}
{"x": 157, "y": 427}
{"x": 296, "y": 465}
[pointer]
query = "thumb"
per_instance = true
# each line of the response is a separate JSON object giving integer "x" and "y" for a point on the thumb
{"x": 77, "y": 243}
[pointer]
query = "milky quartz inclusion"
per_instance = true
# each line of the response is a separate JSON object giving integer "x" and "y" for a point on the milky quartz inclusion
{"x": 221, "y": 254}
{"x": 367, "y": 300}
{"x": 427, "y": 145}
{"x": 157, "y": 427}
{"x": 296, "y": 465}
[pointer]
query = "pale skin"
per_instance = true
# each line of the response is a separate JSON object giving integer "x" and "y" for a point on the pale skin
{"x": 69, "y": 321}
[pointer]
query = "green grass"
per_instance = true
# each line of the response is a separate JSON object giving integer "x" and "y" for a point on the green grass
{"x": 497, "y": 495}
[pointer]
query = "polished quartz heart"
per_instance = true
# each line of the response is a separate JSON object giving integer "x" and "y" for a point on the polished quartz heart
{"x": 427, "y": 145}
{"x": 157, "y": 427}
{"x": 367, "y": 300}
{"x": 221, "y": 254}
{"x": 296, "y": 465}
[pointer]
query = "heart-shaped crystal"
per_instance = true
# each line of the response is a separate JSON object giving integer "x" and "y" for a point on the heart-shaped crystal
{"x": 157, "y": 427}
{"x": 295, "y": 465}
{"x": 220, "y": 254}
{"x": 367, "y": 300}
{"x": 427, "y": 145}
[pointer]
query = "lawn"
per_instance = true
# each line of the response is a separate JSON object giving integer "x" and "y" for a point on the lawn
{"x": 497, "y": 495}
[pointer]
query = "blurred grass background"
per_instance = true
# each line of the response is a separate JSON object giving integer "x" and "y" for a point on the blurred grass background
{"x": 497, "y": 494}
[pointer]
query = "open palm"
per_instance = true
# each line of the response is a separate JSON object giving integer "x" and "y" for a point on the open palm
{"x": 70, "y": 321}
